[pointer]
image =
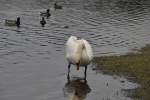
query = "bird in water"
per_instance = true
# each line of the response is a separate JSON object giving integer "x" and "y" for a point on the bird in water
{"x": 56, "y": 6}
{"x": 13, "y": 22}
{"x": 43, "y": 22}
{"x": 78, "y": 52}
{"x": 46, "y": 14}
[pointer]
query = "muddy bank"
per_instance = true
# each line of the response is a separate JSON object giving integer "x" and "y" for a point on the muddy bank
{"x": 135, "y": 65}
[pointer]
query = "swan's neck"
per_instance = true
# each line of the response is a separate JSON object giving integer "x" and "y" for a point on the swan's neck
{"x": 80, "y": 49}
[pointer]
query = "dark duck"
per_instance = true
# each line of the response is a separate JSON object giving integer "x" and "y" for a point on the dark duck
{"x": 46, "y": 14}
{"x": 56, "y": 6}
{"x": 43, "y": 22}
{"x": 13, "y": 22}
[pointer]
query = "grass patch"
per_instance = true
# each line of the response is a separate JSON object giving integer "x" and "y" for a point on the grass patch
{"x": 137, "y": 65}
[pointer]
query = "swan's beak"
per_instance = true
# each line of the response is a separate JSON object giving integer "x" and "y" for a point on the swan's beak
{"x": 78, "y": 65}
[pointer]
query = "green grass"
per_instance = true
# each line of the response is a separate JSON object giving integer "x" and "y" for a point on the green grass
{"x": 137, "y": 65}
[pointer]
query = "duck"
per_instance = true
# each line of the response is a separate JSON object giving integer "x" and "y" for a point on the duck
{"x": 43, "y": 22}
{"x": 46, "y": 13}
{"x": 78, "y": 52}
{"x": 13, "y": 22}
{"x": 56, "y": 6}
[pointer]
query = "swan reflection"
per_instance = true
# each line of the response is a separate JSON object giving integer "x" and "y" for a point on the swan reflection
{"x": 76, "y": 89}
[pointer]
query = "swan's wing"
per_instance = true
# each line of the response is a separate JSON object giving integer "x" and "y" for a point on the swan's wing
{"x": 88, "y": 49}
{"x": 71, "y": 47}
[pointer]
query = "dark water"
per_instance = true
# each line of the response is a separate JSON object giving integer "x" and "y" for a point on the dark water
{"x": 32, "y": 60}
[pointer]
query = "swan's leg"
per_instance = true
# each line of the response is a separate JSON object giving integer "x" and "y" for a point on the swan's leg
{"x": 85, "y": 72}
{"x": 69, "y": 65}
{"x": 68, "y": 76}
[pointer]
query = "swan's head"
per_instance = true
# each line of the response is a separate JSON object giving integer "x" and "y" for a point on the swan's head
{"x": 73, "y": 38}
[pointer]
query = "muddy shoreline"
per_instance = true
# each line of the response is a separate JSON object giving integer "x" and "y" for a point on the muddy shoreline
{"x": 136, "y": 66}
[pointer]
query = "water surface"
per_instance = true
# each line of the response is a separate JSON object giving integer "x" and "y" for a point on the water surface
{"x": 32, "y": 60}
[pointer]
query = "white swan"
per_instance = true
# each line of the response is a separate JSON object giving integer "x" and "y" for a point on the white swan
{"x": 78, "y": 52}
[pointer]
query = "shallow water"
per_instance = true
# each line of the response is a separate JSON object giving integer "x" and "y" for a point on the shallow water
{"x": 32, "y": 60}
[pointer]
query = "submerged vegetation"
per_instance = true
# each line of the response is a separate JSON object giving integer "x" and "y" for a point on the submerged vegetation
{"x": 136, "y": 65}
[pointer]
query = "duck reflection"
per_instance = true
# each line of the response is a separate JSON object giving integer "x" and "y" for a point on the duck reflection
{"x": 76, "y": 89}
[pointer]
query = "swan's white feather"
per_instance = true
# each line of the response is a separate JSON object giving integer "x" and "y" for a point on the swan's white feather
{"x": 74, "y": 50}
